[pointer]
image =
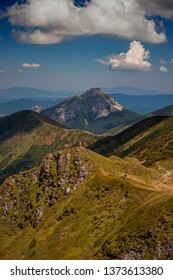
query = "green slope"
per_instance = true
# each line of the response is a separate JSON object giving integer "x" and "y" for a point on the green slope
{"x": 26, "y": 136}
{"x": 165, "y": 111}
{"x": 149, "y": 140}
{"x": 102, "y": 124}
{"x": 104, "y": 217}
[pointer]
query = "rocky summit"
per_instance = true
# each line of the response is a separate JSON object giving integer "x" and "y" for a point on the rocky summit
{"x": 94, "y": 103}
{"x": 24, "y": 196}
{"x": 94, "y": 111}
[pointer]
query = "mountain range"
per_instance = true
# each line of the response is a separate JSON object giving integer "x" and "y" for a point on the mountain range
{"x": 142, "y": 101}
{"x": 14, "y": 93}
{"x": 69, "y": 194}
{"x": 94, "y": 111}
{"x": 144, "y": 104}
{"x": 9, "y": 107}
{"x": 130, "y": 90}
{"x": 31, "y": 93}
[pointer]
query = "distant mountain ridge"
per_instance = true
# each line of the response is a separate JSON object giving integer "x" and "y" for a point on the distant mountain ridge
{"x": 142, "y": 101}
{"x": 10, "y": 107}
{"x": 14, "y": 93}
{"x": 94, "y": 111}
{"x": 143, "y": 104}
{"x": 130, "y": 90}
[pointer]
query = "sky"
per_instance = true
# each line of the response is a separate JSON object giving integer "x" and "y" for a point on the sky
{"x": 76, "y": 45}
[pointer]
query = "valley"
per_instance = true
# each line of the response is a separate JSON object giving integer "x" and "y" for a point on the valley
{"x": 86, "y": 136}
{"x": 66, "y": 193}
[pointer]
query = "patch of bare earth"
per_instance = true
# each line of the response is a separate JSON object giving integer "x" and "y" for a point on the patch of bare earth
{"x": 50, "y": 139}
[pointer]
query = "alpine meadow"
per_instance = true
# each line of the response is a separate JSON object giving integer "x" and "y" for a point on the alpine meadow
{"x": 86, "y": 130}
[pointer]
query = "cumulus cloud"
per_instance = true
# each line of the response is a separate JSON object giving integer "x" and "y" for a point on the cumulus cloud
{"x": 172, "y": 61}
{"x": 37, "y": 37}
{"x": 28, "y": 65}
{"x": 163, "y": 69}
{"x": 162, "y": 8}
{"x": 135, "y": 59}
{"x": 52, "y": 21}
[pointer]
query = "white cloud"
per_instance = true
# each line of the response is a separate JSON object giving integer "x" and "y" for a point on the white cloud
{"x": 2, "y": 71}
{"x": 33, "y": 65}
{"x": 134, "y": 59}
{"x": 20, "y": 70}
{"x": 162, "y": 8}
{"x": 163, "y": 69}
{"x": 163, "y": 61}
{"x": 37, "y": 37}
{"x": 172, "y": 61}
{"x": 51, "y": 21}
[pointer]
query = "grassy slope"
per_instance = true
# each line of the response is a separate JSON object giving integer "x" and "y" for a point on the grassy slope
{"x": 149, "y": 140}
{"x": 165, "y": 111}
{"x": 103, "y": 124}
{"x": 25, "y": 137}
{"x": 107, "y": 217}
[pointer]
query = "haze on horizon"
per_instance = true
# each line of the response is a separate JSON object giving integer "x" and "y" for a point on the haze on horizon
{"x": 105, "y": 44}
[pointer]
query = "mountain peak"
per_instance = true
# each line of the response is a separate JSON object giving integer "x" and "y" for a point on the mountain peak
{"x": 94, "y": 104}
{"x": 93, "y": 92}
{"x": 93, "y": 110}
{"x": 100, "y": 104}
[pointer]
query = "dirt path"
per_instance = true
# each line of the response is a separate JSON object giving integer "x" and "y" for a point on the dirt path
{"x": 165, "y": 182}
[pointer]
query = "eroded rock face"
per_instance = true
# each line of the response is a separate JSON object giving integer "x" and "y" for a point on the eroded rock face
{"x": 60, "y": 174}
{"x": 93, "y": 104}
{"x": 24, "y": 197}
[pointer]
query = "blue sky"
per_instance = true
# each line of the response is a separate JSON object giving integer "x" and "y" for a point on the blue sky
{"x": 122, "y": 42}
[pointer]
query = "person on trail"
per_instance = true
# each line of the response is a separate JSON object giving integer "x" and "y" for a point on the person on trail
{"x": 125, "y": 176}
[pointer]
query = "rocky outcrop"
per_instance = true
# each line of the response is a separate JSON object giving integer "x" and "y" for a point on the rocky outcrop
{"x": 94, "y": 111}
{"x": 100, "y": 104}
{"x": 24, "y": 197}
{"x": 93, "y": 104}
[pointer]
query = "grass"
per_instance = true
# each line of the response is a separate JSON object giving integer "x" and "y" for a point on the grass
{"x": 102, "y": 124}
{"x": 149, "y": 140}
{"x": 30, "y": 137}
{"x": 106, "y": 217}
